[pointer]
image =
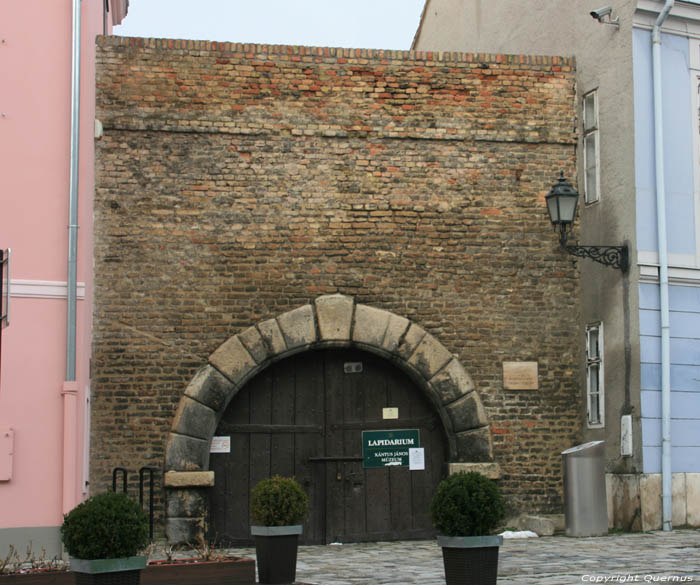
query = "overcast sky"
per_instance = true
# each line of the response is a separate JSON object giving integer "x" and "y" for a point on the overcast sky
{"x": 371, "y": 24}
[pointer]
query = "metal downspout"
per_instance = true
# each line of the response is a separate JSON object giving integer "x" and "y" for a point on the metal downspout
{"x": 666, "y": 471}
{"x": 70, "y": 386}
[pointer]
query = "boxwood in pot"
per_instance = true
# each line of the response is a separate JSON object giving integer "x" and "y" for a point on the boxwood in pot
{"x": 466, "y": 509}
{"x": 103, "y": 535}
{"x": 278, "y": 506}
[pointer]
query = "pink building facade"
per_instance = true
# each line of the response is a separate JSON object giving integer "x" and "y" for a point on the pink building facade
{"x": 44, "y": 400}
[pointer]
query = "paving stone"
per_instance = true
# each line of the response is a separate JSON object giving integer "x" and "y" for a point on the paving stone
{"x": 550, "y": 560}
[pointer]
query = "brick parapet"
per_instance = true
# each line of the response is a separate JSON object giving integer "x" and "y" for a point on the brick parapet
{"x": 174, "y": 45}
{"x": 261, "y": 90}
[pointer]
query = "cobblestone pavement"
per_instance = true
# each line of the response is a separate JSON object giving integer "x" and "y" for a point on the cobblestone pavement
{"x": 654, "y": 557}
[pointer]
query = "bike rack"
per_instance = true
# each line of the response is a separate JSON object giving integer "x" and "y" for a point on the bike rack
{"x": 142, "y": 472}
{"x": 150, "y": 471}
{"x": 116, "y": 472}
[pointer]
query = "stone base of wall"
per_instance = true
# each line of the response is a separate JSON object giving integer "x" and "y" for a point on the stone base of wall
{"x": 635, "y": 502}
{"x": 41, "y": 540}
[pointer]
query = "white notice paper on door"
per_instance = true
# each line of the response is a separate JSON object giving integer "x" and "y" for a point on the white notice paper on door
{"x": 220, "y": 445}
{"x": 416, "y": 459}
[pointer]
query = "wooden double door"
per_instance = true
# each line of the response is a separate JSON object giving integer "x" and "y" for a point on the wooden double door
{"x": 304, "y": 417}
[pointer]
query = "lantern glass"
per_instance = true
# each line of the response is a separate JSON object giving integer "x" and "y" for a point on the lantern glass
{"x": 553, "y": 208}
{"x": 567, "y": 207}
{"x": 562, "y": 201}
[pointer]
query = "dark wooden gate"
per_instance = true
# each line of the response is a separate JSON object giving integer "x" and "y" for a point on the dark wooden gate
{"x": 304, "y": 417}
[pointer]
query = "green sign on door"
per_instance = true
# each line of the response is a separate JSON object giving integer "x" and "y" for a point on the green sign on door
{"x": 388, "y": 448}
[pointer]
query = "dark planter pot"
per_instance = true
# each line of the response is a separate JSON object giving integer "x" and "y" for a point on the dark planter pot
{"x": 197, "y": 572}
{"x": 39, "y": 577}
{"x": 470, "y": 560}
{"x": 276, "y": 552}
{"x": 126, "y": 571}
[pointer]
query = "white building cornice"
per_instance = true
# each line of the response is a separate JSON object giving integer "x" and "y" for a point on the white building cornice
{"x": 42, "y": 289}
{"x": 684, "y": 18}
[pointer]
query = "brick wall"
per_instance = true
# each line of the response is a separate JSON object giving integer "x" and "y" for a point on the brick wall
{"x": 235, "y": 182}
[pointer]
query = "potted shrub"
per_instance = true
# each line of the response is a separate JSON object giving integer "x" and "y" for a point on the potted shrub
{"x": 466, "y": 508}
{"x": 103, "y": 536}
{"x": 278, "y": 507}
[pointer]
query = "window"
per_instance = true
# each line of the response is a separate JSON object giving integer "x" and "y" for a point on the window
{"x": 591, "y": 149}
{"x": 594, "y": 375}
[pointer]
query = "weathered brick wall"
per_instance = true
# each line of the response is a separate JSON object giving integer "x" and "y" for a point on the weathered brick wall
{"x": 235, "y": 182}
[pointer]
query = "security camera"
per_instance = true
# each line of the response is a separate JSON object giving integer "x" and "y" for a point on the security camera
{"x": 601, "y": 12}
{"x": 604, "y": 16}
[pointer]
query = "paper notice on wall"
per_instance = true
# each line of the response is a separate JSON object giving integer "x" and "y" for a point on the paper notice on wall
{"x": 220, "y": 445}
{"x": 416, "y": 459}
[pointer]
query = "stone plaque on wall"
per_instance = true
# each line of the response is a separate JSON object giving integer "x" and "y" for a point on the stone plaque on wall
{"x": 520, "y": 376}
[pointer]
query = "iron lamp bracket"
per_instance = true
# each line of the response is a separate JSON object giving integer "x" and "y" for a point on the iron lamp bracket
{"x": 613, "y": 256}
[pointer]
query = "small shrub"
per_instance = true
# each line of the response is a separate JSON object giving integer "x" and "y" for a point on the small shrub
{"x": 467, "y": 504}
{"x": 278, "y": 501}
{"x": 106, "y": 526}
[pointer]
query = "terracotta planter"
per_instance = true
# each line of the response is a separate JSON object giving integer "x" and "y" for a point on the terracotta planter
{"x": 196, "y": 572}
{"x": 232, "y": 571}
{"x": 470, "y": 560}
{"x": 39, "y": 577}
{"x": 276, "y": 552}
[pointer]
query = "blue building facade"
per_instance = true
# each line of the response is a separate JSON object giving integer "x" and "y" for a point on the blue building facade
{"x": 680, "y": 57}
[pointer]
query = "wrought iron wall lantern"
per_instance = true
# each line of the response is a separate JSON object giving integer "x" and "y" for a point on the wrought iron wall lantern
{"x": 562, "y": 201}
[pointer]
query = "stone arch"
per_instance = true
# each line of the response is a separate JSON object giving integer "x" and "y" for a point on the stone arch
{"x": 330, "y": 321}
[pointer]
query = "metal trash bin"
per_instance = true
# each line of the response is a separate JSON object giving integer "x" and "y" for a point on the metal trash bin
{"x": 585, "y": 500}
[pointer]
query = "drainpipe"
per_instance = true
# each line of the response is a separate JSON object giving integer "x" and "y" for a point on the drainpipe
{"x": 666, "y": 477}
{"x": 70, "y": 386}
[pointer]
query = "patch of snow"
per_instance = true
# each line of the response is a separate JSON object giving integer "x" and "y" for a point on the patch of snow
{"x": 519, "y": 534}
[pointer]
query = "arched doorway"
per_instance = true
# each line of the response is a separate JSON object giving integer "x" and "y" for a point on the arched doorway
{"x": 332, "y": 322}
{"x": 305, "y": 417}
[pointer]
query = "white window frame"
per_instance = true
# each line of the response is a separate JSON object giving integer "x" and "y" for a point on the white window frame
{"x": 595, "y": 367}
{"x": 591, "y": 132}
